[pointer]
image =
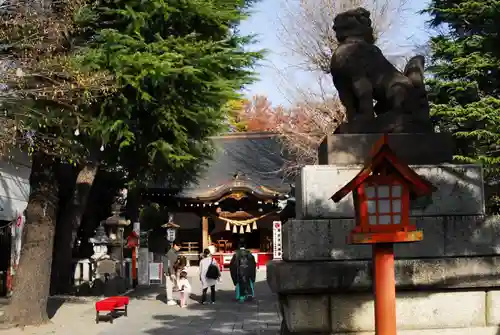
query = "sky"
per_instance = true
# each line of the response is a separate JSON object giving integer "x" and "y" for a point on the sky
{"x": 278, "y": 74}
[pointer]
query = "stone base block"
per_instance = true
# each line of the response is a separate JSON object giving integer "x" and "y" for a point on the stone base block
{"x": 349, "y": 149}
{"x": 449, "y": 331}
{"x": 460, "y": 191}
{"x": 322, "y": 240}
{"x": 354, "y": 313}
{"x": 414, "y": 310}
{"x": 411, "y": 274}
{"x": 493, "y": 311}
{"x": 307, "y": 313}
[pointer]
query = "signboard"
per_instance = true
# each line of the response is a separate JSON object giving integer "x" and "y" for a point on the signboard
{"x": 277, "y": 250}
{"x": 155, "y": 272}
{"x": 170, "y": 234}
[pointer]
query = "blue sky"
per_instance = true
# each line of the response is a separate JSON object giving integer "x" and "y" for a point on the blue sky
{"x": 265, "y": 23}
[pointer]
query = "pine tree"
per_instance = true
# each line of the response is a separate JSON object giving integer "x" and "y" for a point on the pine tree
{"x": 177, "y": 64}
{"x": 465, "y": 84}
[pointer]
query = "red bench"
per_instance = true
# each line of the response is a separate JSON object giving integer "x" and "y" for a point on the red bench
{"x": 111, "y": 304}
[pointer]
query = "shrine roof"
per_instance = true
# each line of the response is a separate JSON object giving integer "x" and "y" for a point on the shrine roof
{"x": 249, "y": 162}
{"x": 383, "y": 155}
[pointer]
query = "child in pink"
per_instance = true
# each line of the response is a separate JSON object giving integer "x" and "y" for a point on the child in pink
{"x": 184, "y": 288}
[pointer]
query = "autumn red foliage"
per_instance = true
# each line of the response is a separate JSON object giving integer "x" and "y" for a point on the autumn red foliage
{"x": 302, "y": 126}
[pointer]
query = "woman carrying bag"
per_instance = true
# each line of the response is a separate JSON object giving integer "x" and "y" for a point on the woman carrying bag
{"x": 209, "y": 275}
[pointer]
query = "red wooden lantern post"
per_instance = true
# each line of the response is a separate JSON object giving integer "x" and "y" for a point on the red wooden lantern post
{"x": 381, "y": 192}
{"x": 133, "y": 243}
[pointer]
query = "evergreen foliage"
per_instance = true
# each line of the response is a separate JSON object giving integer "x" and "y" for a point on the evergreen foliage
{"x": 465, "y": 85}
{"x": 177, "y": 64}
{"x": 148, "y": 81}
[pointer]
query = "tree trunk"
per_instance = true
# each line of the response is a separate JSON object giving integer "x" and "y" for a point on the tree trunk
{"x": 31, "y": 284}
{"x": 66, "y": 175}
{"x": 70, "y": 220}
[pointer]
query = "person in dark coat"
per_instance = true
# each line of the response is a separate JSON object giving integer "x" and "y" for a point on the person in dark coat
{"x": 243, "y": 271}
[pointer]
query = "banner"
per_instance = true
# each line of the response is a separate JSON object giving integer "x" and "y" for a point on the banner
{"x": 15, "y": 252}
{"x": 277, "y": 251}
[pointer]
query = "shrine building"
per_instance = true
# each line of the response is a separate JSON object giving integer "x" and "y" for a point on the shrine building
{"x": 241, "y": 193}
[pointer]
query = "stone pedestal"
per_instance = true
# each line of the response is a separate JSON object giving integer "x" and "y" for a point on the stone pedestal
{"x": 460, "y": 191}
{"x": 346, "y": 149}
{"x": 326, "y": 298}
{"x": 445, "y": 283}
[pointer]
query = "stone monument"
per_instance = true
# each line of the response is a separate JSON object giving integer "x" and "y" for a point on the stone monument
{"x": 362, "y": 75}
{"x": 447, "y": 281}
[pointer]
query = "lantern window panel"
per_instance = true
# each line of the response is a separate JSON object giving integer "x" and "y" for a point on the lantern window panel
{"x": 370, "y": 192}
{"x": 396, "y": 191}
{"x": 372, "y": 206}
{"x": 396, "y": 206}
{"x": 384, "y": 206}
{"x": 383, "y": 191}
{"x": 384, "y": 219}
{"x": 372, "y": 220}
{"x": 396, "y": 219}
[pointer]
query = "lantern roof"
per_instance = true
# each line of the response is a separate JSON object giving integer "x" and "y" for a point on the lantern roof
{"x": 383, "y": 156}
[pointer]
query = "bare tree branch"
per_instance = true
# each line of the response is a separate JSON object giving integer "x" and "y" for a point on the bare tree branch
{"x": 307, "y": 26}
{"x": 316, "y": 115}
{"x": 307, "y": 32}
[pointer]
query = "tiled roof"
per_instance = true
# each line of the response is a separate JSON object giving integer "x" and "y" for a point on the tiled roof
{"x": 251, "y": 160}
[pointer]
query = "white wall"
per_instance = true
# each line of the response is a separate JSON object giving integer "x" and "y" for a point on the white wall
{"x": 14, "y": 185}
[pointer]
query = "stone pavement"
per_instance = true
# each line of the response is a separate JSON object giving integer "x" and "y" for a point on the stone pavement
{"x": 148, "y": 314}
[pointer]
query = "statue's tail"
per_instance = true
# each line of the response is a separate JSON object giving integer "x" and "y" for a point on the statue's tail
{"x": 414, "y": 70}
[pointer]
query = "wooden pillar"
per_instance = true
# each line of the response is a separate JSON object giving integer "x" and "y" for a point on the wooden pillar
{"x": 204, "y": 232}
{"x": 384, "y": 289}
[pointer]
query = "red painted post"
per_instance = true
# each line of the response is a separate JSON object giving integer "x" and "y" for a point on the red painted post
{"x": 134, "y": 264}
{"x": 384, "y": 289}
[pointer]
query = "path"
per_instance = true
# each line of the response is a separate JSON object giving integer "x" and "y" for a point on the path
{"x": 148, "y": 314}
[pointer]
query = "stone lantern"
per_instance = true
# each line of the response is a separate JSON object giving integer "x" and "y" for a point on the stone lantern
{"x": 100, "y": 243}
{"x": 116, "y": 224}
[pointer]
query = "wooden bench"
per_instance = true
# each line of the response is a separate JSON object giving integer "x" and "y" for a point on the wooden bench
{"x": 111, "y": 304}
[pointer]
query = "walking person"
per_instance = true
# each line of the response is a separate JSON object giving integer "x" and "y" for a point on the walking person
{"x": 184, "y": 288}
{"x": 209, "y": 276}
{"x": 169, "y": 261}
{"x": 243, "y": 271}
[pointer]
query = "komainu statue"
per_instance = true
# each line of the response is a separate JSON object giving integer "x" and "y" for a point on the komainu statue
{"x": 363, "y": 75}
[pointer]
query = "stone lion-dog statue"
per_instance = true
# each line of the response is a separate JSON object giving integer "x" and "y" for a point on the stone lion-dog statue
{"x": 362, "y": 74}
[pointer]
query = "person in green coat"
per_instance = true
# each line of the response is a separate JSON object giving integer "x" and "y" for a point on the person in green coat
{"x": 243, "y": 271}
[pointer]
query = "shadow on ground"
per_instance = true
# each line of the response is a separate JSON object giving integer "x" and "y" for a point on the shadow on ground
{"x": 227, "y": 316}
